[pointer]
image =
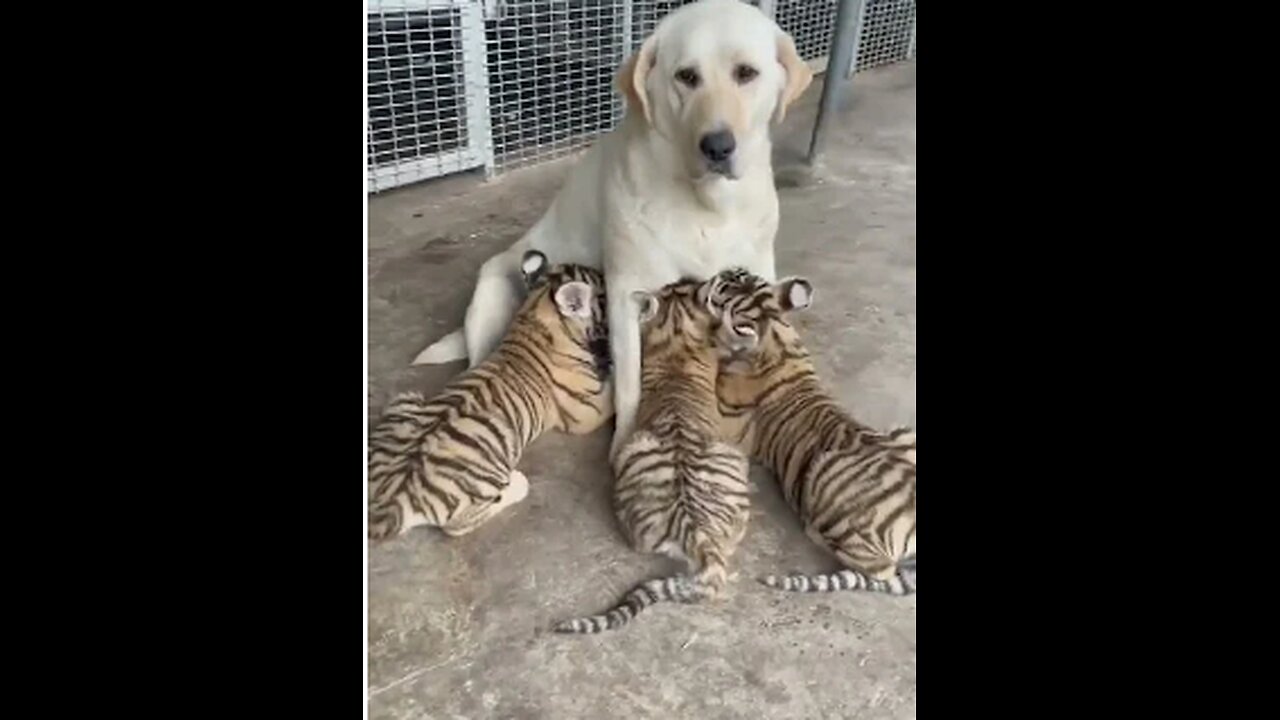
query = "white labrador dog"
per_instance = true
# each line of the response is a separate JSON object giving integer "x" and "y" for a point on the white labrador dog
{"x": 683, "y": 187}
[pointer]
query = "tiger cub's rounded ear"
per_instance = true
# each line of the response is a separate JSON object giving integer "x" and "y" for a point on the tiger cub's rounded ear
{"x": 532, "y": 265}
{"x": 648, "y": 304}
{"x": 574, "y": 299}
{"x": 794, "y": 294}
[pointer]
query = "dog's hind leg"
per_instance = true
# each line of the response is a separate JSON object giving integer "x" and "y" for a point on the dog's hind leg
{"x": 493, "y": 303}
{"x": 445, "y": 350}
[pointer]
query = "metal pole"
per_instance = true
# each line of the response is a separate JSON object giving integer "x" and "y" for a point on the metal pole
{"x": 844, "y": 40}
{"x": 911, "y": 49}
{"x": 857, "y": 40}
{"x": 628, "y": 42}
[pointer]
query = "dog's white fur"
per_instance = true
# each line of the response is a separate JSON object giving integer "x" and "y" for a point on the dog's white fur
{"x": 643, "y": 203}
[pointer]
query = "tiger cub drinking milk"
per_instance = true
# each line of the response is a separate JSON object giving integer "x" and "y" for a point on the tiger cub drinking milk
{"x": 451, "y": 461}
{"x": 854, "y": 488}
{"x": 680, "y": 491}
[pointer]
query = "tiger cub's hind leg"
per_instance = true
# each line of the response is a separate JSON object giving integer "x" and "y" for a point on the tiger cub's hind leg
{"x": 907, "y": 573}
{"x": 517, "y": 489}
{"x": 385, "y": 521}
{"x": 395, "y": 516}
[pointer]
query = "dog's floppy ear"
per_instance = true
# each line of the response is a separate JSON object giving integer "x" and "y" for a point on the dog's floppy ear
{"x": 632, "y": 76}
{"x": 798, "y": 74}
{"x": 794, "y": 294}
{"x": 648, "y": 304}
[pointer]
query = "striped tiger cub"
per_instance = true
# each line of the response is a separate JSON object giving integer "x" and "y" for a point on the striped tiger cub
{"x": 854, "y": 488}
{"x": 451, "y": 461}
{"x": 680, "y": 490}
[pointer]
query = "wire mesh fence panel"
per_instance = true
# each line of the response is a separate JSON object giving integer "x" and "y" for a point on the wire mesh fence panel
{"x": 425, "y": 87}
{"x": 645, "y": 15}
{"x": 809, "y": 22}
{"x": 551, "y": 76}
{"x": 458, "y": 85}
{"x": 888, "y": 33}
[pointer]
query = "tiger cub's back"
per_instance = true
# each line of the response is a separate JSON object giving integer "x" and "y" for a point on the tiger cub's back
{"x": 679, "y": 490}
{"x": 450, "y": 461}
{"x": 853, "y": 487}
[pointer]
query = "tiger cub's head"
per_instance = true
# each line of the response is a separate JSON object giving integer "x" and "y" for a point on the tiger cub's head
{"x": 675, "y": 321}
{"x": 749, "y": 325}
{"x": 569, "y": 299}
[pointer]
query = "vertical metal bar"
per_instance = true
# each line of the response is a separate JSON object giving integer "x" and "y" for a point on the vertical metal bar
{"x": 475, "y": 85}
{"x": 768, "y": 7}
{"x": 371, "y": 183}
{"x": 628, "y": 42}
{"x": 911, "y": 49}
{"x": 844, "y": 38}
{"x": 857, "y": 39}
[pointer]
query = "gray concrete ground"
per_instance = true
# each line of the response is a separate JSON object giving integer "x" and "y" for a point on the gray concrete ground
{"x": 457, "y": 628}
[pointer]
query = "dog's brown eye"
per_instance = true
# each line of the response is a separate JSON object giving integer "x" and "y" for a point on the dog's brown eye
{"x": 688, "y": 76}
{"x": 745, "y": 73}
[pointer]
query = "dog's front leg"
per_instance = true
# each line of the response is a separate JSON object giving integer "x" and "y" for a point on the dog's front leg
{"x": 761, "y": 260}
{"x": 762, "y": 264}
{"x": 624, "y": 346}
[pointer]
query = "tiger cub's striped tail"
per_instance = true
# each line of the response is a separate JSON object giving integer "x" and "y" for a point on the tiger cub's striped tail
{"x": 677, "y": 588}
{"x": 903, "y": 581}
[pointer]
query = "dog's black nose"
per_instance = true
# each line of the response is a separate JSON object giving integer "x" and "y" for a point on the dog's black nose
{"x": 717, "y": 146}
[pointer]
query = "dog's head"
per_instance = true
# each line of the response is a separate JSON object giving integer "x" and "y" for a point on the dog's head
{"x": 710, "y": 78}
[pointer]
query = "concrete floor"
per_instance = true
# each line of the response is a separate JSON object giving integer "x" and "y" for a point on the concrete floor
{"x": 457, "y": 628}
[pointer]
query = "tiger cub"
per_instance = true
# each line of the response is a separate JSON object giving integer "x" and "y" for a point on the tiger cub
{"x": 854, "y": 488}
{"x": 680, "y": 490}
{"x": 451, "y": 461}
